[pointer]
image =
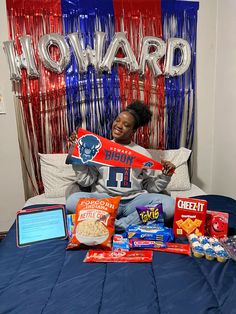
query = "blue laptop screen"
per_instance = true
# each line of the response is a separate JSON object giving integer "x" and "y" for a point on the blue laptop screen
{"x": 40, "y": 225}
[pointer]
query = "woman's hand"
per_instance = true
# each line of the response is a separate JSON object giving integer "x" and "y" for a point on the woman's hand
{"x": 73, "y": 137}
{"x": 167, "y": 168}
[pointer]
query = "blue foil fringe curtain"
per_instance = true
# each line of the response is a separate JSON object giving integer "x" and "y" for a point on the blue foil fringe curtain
{"x": 179, "y": 19}
{"x": 93, "y": 99}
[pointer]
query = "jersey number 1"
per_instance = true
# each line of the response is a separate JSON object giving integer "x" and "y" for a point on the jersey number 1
{"x": 112, "y": 181}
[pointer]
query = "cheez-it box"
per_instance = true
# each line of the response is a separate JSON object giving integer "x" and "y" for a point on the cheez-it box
{"x": 189, "y": 217}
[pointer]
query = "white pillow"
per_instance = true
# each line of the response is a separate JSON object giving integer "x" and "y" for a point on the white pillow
{"x": 56, "y": 175}
{"x": 179, "y": 157}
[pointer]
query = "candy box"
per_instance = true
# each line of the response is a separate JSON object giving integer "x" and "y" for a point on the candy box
{"x": 153, "y": 232}
{"x": 120, "y": 243}
{"x": 216, "y": 224}
{"x": 189, "y": 217}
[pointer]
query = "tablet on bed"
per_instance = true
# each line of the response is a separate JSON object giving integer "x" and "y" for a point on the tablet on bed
{"x": 40, "y": 224}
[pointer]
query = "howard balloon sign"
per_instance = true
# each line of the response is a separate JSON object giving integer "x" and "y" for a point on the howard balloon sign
{"x": 153, "y": 50}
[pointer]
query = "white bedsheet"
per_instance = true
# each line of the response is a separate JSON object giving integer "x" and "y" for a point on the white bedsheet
{"x": 194, "y": 191}
{"x": 42, "y": 199}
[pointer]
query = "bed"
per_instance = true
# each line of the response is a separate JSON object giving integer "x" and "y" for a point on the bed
{"x": 47, "y": 278}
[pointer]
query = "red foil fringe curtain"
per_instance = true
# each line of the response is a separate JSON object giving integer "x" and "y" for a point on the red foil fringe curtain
{"x": 139, "y": 18}
{"x": 42, "y": 100}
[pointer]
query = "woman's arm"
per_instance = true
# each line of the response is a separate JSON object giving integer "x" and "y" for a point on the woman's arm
{"x": 157, "y": 183}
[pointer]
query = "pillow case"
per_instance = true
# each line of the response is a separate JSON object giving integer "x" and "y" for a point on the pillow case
{"x": 56, "y": 175}
{"x": 180, "y": 179}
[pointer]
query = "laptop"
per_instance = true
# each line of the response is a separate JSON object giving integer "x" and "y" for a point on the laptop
{"x": 40, "y": 224}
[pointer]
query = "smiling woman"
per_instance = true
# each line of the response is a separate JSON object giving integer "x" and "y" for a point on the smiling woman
{"x": 135, "y": 115}
{"x": 137, "y": 187}
{"x": 123, "y": 128}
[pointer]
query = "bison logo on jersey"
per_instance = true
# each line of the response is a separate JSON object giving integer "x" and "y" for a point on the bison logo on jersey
{"x": 88, "y": 146}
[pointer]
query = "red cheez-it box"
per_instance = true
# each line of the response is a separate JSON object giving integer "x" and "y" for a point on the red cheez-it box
{"x": 189, "y": 217}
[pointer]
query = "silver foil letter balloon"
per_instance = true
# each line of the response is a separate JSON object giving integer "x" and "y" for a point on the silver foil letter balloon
{"x": 25, "y": 60}
{"x": 119, "y": 41}
{"x": 88, "y": 56}
{"x": 152, "y": 58}
{"x": 44, "y": 45}
{"x": 185, "y": 59}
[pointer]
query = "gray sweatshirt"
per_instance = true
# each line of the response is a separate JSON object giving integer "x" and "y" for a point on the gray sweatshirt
{"x": 126, "y": 182}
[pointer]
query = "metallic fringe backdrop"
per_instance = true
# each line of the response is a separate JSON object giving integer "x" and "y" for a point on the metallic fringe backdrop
{"x": 54, "y": 105}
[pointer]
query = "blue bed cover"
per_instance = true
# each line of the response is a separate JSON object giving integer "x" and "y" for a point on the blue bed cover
{"x": 46, "y": 278}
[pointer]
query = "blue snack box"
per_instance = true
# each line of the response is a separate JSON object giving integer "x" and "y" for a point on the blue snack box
{"x": 153, "y": 232}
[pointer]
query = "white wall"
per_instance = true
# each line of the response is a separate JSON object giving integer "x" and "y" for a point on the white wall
{"x": 224, "y": 153}
{"x": 215, "y": 149}
{"x": 205, "y": 106}
{"x": 11, "y": 185}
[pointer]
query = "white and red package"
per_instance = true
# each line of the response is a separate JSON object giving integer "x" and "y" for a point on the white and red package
{"x": 145, "y": 244}
{"x": 99, "y": 256}
{"x": 120, "y": 243}
{"x": 94, "y": 223}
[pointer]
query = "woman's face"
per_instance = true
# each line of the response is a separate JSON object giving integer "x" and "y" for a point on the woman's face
{"x": 123, "y": 128}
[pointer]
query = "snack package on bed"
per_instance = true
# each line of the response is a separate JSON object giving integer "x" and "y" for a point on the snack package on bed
{"x": 145, "y": 244}
{"x": 151, "y": 214}
{"x": 94, "y": 223}
{"x": 153, "y": 232}
{"x": 70, "y": 224}
{"x": 118, "y": 256}
{"x": 189, "y": 217}
{"x": 216, "y": 224}
{"x": 178, "y": 248}
{"x": 120, "y": 243}
{"x": 229, "y": 244}
{"x": 168, "y": 247}
{"x": 208, "y": 247}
